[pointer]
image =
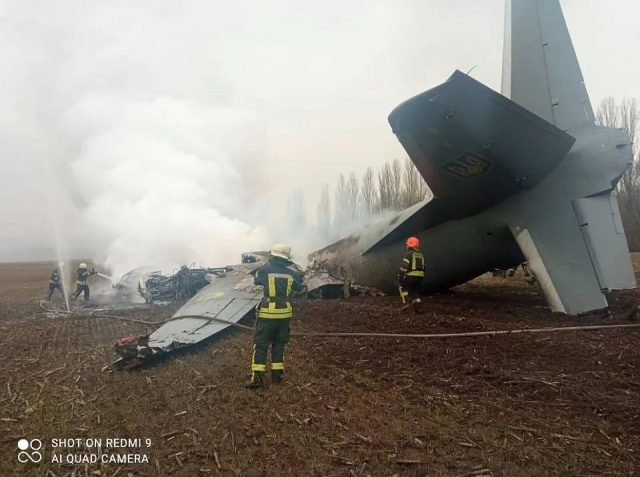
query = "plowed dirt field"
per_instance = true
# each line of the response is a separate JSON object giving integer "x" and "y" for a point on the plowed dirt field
{"x": 540, "y": 404}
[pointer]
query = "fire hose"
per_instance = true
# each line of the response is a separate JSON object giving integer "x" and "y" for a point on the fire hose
{"x": 428, "y": 335}
{"x": 391, "y": 335}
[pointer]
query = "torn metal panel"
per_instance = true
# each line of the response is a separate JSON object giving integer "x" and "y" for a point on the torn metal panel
{"x": 319, "y": 284}
{"x": 228, "y": 298}
{"x": 185, "y": 283}
{"x": 131, "y": 285}
{"x": 154, "y": 286}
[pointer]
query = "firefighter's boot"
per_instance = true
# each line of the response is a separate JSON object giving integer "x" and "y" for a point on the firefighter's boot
{"x": 417, "y": 305}
{"x": 276, "y": 376}
{"x": 256, "y": 381}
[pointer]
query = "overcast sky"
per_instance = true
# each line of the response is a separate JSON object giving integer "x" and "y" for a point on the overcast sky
{"x": 297, "y": 92}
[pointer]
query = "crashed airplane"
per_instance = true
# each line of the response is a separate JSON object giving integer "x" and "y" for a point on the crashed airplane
{"x": 522, "y": 175}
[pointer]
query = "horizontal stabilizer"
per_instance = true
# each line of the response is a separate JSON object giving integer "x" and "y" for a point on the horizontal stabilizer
{"x": 473, "y": 146}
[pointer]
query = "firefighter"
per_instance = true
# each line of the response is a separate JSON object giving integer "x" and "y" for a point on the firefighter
{"x": 55, "y": 283}
{"x": 278, "y": 279}
{"x": 412, "y": 272}
{"x": 81, "y": 281}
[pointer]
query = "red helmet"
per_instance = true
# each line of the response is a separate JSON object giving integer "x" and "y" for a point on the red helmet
{"x": 413, "y": 242}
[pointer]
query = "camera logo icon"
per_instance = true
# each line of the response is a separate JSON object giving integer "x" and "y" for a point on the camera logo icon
{"x": 29, "y": 451}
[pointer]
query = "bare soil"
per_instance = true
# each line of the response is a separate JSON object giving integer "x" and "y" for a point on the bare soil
{"x": 544, "y": 404}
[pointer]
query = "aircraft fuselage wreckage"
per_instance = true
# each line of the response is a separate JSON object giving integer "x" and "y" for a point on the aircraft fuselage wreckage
{"x": 522, "y": 175}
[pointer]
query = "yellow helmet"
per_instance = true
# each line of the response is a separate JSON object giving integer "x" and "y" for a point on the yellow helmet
{"x": 281, "y": 250}
{"x": 82, "y": 265}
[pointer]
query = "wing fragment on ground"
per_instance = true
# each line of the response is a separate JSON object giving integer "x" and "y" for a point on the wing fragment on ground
{"x": 227, "y": 299}
{"x": 217, "y": 306}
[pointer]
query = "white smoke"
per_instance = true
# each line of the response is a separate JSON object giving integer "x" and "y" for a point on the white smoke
{"x": 161, "y": 116}
{"x": 161, "y": 164}
{"x": 163, "y": 181}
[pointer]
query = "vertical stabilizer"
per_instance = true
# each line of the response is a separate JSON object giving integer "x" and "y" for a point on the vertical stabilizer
{"x": 540, "y": 69}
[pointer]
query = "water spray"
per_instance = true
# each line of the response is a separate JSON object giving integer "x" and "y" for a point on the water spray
{"x": 56, "y": 234}
{"x": 105, "y": 276}
{"x": 54, "y": 206}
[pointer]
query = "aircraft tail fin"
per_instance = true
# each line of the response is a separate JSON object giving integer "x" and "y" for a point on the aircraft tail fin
{"x": 540, "y": 69}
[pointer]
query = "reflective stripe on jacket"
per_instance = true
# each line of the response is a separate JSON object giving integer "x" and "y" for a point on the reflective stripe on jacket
{"x": 278, "y": 282}
{"x": 81, "y": 277}
{"x": 413, "y": 263}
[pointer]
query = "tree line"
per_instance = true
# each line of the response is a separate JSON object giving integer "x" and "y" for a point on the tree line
{"x": 395, "y": 186}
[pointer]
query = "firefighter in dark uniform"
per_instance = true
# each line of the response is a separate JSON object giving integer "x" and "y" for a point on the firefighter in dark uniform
{"x": 274, "y": 313}
{"x": 412, "y": 272}
{"x": 82, "y": 285}
{"x": 55, "y": 283}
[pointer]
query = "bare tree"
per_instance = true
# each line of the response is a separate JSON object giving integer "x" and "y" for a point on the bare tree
{"x": 414, "y": 188}
{"x": 368, "y": 193}
{"x": 396, "y": 184}
{"x": 353, "y": 192}
{"x": 341, "y": 202}
{"x": 423, "y": 190}
{"x": 627, "y": 119}
{"x": 385, "y": 188}
{"x": 608, "y": 114}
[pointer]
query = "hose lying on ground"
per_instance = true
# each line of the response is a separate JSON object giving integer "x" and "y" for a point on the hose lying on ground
{"x": 428, "y": 335}
{"x": 383, "y": 335}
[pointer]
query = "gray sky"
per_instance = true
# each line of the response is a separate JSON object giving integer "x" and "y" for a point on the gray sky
{"x": 291, "y": 94}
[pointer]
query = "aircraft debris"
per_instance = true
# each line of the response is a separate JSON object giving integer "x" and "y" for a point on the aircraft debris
{"x": 183, "y": 284}
{"x": 154, "y": 286}
{"x": 254, "y": 257}
{"x": 131, "y": 285}
{"x": 230, "y": 296}
{"x": 319, "y": 284}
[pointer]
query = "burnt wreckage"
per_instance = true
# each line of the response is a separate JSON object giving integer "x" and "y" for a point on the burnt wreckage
{"x": 228, "y": 296}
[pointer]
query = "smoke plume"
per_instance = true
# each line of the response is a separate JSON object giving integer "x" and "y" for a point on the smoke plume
{"x": 160, "y": 167}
